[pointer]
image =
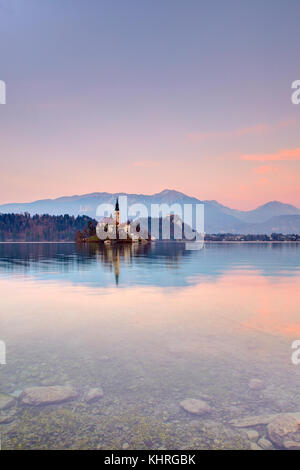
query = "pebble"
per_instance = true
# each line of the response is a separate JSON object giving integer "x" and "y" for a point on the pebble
{"x": 252, "y": 435}
{"x": 254, "y": 446}
{"x": 197, "y": 407}
{"x": 93, "y": 394}
{"x": 256, "y": 384}
{"x": 265, "y": 444}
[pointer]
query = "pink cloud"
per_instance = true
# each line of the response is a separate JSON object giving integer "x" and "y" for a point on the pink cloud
{"x": 262, "y": 181}
{"x": 264, "y": 169}
{"x": 201, "y": 136}
{"x": 243, "y": 131}
{"x": 281, "y": 155}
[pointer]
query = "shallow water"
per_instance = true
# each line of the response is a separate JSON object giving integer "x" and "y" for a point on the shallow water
{"x": 152, "y": 325}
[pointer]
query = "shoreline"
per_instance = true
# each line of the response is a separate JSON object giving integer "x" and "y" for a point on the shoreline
{"x": 221, "y": 242}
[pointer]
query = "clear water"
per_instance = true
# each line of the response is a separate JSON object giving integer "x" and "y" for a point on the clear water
{"x": 152, "y": 325}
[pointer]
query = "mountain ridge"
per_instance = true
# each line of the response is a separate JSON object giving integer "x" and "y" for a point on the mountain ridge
{"x": 218, "y": 217}
{"x": 163, "y": 192}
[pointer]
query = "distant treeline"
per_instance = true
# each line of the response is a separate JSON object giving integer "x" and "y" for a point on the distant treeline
{"x": 41, "y": 228}
{"x": 274, "y": 237}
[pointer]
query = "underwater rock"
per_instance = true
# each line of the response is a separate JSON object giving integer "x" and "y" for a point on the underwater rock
{"x": 6, "y": 401}
{"x": 16, "y": 393}
{"x": 284, "y": 431}
{"x": 265, "y": 444}
{"x": 291, "y": 445}
{"x": 93, "y": 394}
{"x": 254, "y": 446}
{"x": 7, "y": 417}
{"x": 197, "y": 407}
{"x": 47, "y": 395}
{"x": 252, "y": 435}
{"x": 256, "y": 384}
{"x": 250, "y": 421}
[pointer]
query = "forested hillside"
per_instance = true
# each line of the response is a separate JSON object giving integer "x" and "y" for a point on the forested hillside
{"x": 39, "y": 228}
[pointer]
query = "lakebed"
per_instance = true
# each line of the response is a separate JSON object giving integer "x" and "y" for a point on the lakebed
{"x": 150, "y": 328}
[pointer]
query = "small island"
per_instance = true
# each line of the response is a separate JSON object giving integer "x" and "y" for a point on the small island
{"x": 111, "y": 231}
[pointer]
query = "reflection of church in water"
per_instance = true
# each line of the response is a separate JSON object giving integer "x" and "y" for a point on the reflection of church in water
{"x": 113, "y": 256}
{"x": 116, "y": 256}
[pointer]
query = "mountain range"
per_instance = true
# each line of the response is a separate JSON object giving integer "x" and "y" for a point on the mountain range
{"x": 271, "y": 217}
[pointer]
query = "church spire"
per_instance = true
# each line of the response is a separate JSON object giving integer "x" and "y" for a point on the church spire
{"x": 117, "y": 212}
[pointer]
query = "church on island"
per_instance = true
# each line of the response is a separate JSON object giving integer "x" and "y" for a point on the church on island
{"x": 116, "y": 231}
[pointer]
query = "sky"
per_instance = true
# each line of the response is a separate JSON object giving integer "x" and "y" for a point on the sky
{"x": 140, "y": 96}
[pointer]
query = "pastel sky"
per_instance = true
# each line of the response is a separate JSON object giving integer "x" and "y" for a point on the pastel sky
{"x": 139, "y": 96}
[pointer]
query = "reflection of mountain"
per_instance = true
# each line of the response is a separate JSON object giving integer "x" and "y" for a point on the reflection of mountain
{"x": 164, "y": 264}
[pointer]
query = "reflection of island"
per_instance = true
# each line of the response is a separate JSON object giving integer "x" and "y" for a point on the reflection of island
{"x": 113, "y": 255}
{"x": 165, "y": 264}
{"x": 117, "y": 255}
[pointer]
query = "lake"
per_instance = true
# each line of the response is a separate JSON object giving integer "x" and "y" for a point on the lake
{"x": 150, "y": 325}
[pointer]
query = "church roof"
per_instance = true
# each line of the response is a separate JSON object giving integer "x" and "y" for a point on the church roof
{"x": 107, "y": 220}
{"x": 112, "y": 221}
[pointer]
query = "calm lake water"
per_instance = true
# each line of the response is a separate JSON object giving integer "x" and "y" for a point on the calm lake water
{"x": 152, "y": 325}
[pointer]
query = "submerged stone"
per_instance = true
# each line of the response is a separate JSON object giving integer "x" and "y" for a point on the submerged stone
{"x": 254, "y": 446}
{"x": 265, "y": 444}
{"x": 94, "y": 394}
{"x": 197, "y": 407}
{"x": 47, "y": 395}
{"x": 256, "y": 384}
{"x": 252, "y": 435}
{"x": 7, "y": 416}
{"x": 6, "y": 401}
{"x": 16, "y": 393}
{"x": 258, "y": 420}
{"x": 249, "y": 421}
{"x": 284, "y": 431}
{"x": 291, "y": 445}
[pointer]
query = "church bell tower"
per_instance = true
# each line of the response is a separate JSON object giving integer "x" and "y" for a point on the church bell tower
{"x": 117, "y": 212}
